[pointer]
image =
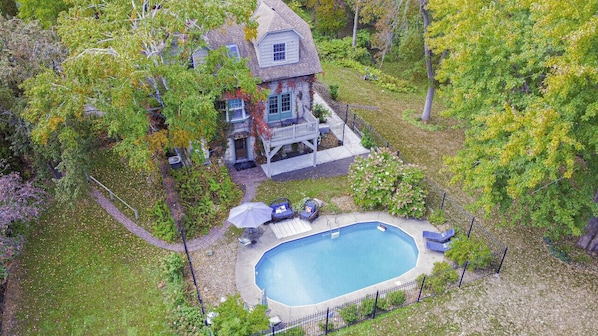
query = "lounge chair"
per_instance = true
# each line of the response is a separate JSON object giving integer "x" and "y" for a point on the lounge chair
{"x": 281, "y": 209}
{"x": 439, "y": 237}
{"x": 438, "y": 247}
{"x": 310, "y": 210}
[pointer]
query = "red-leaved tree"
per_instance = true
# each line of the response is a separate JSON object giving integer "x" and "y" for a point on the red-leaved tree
{"x": 19, "y": 202}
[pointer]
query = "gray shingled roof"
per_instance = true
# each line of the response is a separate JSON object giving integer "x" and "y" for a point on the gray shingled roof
{"x": 272, "y": 16}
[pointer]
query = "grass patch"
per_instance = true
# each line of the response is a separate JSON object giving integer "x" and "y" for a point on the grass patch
{"x": 400, "y": 322}
{"x": 410, "y": 116}
{"x": 138, "y": 189}
{"x": 83, "y": 273}
{"x": 419, "y": 145}
{"x": 323, "y": 188}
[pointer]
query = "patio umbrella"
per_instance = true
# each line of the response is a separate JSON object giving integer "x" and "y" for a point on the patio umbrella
{"x": 250, "y": 215}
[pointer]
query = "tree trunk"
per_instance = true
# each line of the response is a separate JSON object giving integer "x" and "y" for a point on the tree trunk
{"x": 430, "y": 70}
{"x": 589, "y": 241}
{"x": 355, "y": 25}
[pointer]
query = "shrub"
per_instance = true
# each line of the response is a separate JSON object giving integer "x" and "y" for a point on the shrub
{"x": 206, "y": 193}
{"x": 396, "y": 298}
{"x": 234, "y": 319}
{"x": 163, "y": 226}
{"x": 297, "y": 331}
{"x": 320, "y": 112}
{"x": 341, "y": 50}
{"x": 383, "y": 181}
{"x": 322, "y": 325}
{"x": 333, "y": 91}
{"x": 437, "y": 217}
{"x": 350, "y": 314}
{"x": 367, "y": 139}
{"x": 442, "y": 276}
{"x": 366, "y": 307}
{"x": 472, "y": 250}
{"x": 183, "y": 318}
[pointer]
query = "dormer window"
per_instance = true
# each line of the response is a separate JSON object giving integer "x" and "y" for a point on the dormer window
{"x": 279, "y": 50}
{"x": 233, "y": 51}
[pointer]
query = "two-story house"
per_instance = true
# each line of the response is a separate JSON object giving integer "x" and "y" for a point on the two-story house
{"x": 284, "y": 56}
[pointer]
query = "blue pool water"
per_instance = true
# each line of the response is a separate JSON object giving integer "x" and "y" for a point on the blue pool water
{"x": 317, "y": 268}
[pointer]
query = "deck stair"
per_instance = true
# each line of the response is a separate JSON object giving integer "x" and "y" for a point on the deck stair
{"x": 290, "y": 227}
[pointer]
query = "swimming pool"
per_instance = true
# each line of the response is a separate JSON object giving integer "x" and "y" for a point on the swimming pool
{"x": 317, "y": 268}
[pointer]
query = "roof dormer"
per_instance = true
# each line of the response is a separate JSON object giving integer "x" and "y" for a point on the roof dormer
{"x": 277, "y": 42}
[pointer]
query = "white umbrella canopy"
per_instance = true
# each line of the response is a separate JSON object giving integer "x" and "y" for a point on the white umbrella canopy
{"x": 250, "y": 215}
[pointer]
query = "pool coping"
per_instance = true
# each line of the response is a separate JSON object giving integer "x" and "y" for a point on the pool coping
{"x": 248, "y": 256}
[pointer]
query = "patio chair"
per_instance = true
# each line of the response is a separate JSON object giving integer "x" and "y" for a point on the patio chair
{"x": 439, "y": 237}
{"x": 244, "y": 241}
{"x": 438, "y": 247}
{"x": 309, "y": 210}
{"x": 281, "y": 209}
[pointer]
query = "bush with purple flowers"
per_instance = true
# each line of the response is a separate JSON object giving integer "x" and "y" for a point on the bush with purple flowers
{"x": 383, "y": 181}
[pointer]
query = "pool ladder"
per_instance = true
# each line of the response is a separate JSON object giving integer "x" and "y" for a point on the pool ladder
{"x": 334, "y": 234}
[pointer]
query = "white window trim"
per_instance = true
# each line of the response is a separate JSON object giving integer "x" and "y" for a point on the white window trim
{"x": 232, "y": 50}
{"x": 242, "y": 108}
{"x": 284, "y": 52}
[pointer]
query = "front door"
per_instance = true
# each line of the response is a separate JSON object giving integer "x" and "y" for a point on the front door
{"x": 240, "y": 149}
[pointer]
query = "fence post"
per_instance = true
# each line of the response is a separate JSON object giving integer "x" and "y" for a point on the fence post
{"x": 502, "y": 260}
{"x": 463, "y": 274}
{"x": 470, "y": 226}
{"x": 203, "y": 312}
{"x": 421, "y": 289}
{"x": 327, "y": 315}
{"x": 375, "y": 305}
{"x": 443, "y": 198}
{"x": 353, "y": 126}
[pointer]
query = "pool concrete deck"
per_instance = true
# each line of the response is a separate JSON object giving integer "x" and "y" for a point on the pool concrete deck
{"x": 248, "y": 257}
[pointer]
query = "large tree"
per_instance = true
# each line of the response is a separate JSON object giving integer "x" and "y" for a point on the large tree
{"x": 44, "y": 11}
{"x": 19, "y": 202}
{"x": 128, "y": 73}
{"x": 25, "y": 50}
{"x": 329, "y": 15}
{"x": 524, "y": 75}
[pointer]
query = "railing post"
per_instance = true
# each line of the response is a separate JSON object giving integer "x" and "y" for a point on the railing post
{"x": 470, "y": 227}
{"x": 203, "y": 312}
{"x": 463, "y": 273}
{"x": 502, "y": 259}
{"x": 111, "y": 196}
{"x": 326, "y": 326}
{"x": 443, "y": 198}
{"x": 136, "y": 214}
{"x": 421, "y": 289}
{"x": 375, "y": 305}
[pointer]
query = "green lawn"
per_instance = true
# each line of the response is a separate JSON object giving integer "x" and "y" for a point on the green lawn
{"x": 422, "y": 147}
{"x": 82, "y": 273}
{"x": 324, "y": 189}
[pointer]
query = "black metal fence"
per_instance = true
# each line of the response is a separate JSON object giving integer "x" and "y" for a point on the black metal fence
{"x": 383, "y": 301}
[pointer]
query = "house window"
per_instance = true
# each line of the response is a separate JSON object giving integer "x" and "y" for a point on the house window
{"x": 279, "y": 107}
{"x": 279, "y": 52}
{"x": 235, "y": 110}
{"x": 233, "y": 51}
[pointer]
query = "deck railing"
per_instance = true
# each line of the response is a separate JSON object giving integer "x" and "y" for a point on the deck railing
{"x": 293, "y": 133}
